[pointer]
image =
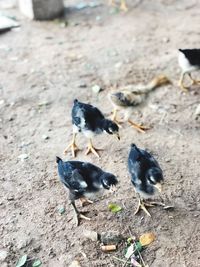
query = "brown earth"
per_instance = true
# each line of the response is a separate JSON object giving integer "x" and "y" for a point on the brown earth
{"x": 43, "y": 67}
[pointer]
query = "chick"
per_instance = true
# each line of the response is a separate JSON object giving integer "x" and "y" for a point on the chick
{"x": 83, "y": 180}
{"x": 90, "y": 121}
{"x": 131, "y": 96}
{"x": 189, "y": 61}
{"x": 146, "y": 176}
{"x": 123, "y": 5}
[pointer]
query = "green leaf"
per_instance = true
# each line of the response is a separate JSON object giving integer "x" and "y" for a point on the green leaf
{"x": 130, "y": 240}
{"x": 138, "y": 246}
{"x": 37, "y": 263}
{"x": 21, "y": 261}
{"x": 114, "y": 208}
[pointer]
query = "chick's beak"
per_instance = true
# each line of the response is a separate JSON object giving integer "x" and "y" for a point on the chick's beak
{"x": 112, "y": 189}
{"x": 158, "y": 186}
{"x": 118, "y": 136}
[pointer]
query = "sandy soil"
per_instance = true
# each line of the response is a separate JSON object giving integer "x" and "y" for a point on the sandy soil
{"x": 43, "y": 67}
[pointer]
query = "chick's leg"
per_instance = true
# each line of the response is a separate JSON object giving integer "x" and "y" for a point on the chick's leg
{"x": 92, "y": 149}
{"x": 123, "y": 6}
{"x": 193, "y": 80}
{"x": 138, "y": 127}
{"x": 78, "y": 215}
{"x": 180, "y": 83}
{"x": 73, "y": 146}
{"x": 114, "y": 117}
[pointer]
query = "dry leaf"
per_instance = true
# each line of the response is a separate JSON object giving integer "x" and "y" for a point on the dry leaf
{"x": 147, "y": 239}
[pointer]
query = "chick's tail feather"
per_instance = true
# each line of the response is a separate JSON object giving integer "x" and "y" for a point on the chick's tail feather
{"x": 58, "y": 159}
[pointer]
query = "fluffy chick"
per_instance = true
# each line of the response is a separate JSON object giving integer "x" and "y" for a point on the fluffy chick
{"x": 89, "y": 120}
{"x": 146, "y": 175}
{"x": 189, "y": 61}
{"x": 131, "y": 96}
{"x": 83, "y": 180}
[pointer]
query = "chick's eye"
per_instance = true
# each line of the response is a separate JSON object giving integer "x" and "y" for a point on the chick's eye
{"x": 152, "y": 181}
{"x": 110, "y": 131}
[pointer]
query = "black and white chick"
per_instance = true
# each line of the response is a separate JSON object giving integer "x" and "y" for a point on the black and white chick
{"x": 146, "y": 176}
{"x": 189, "y": 61}
{"x": 89, "y": 120}
{"x": 84, "y": 180}
{"x": 126, "y": 98}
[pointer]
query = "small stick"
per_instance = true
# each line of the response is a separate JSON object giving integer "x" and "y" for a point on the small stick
{"x": 140, "y": 256}
{"x": 118, "y": 259}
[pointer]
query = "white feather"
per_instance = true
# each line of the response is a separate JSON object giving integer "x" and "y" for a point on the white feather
{"x": 185, "y": 64}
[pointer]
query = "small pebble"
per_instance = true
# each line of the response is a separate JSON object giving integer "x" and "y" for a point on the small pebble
{"x": 92, "y": 235}
{"x": 22, "y": 157}
{"x": 197, "y": 111}
{"x": 75, "y": 264}
{"x": 10, "y": 197}
{"x": 61, "y": 210}
{"x": 45, "y": 137}
{"x": 96, "y": 89}
{"x": 3, "y": 255}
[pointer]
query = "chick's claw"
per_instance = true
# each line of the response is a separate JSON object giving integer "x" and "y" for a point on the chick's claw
{"x": 141, "y": 205}
{"x": 74, "y": 149}
{"x": 183, "y": 87}
{"x": 85, "y": 201}
{"x": 92, "y": 149}
{"x": 140, "y": 128}
{"x": 80, "y": 216}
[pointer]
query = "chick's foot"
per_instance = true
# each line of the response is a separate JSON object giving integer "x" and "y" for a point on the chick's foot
{"x": 74, "y": 149}
{"x": 79, "y": 216}
{"x": 85, "y": 201}
{"x": 123, "y": 6}
{"x": 140, "y": 128}
{"x": 92, "y": 149}
{"x": 182, "y": 86}
{"x": 142, "y": 206}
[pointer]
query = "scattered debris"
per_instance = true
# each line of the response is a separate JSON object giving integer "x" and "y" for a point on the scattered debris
{"x": 82, "y": 85}
{"x": 23, "y": 157}
{"x": 108, "y": 248}
{"x": 37, "y": 263}
{"x": 61, "y": 210}
{"x": 165, "y": 40}
{"x": 44, "y": 103}
{"x": 10, "y": 197}
{"x": 96, "y": 89}
{"x": 92, "y": 235}
{"x": 113, "y": 237}
{"x": 84, "y": 5}
{"x": 197, "y": 112}
{"x": 22, "y": 261}
{"x": 134, "y": 249}
{"x": 147, "y": 239}
{"x": 114, "y": 208}
{"x": 134, "y": 262}
{"x": 45, "y": 137}
{"x": 3, "y": 255}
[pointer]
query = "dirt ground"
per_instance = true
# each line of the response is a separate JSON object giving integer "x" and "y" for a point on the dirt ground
{"x": 43, "y": 67}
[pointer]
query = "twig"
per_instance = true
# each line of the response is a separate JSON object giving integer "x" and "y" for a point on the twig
{"x": 129, "y": 257}
{"x": 141, "y": 257}
{"x": 118, "y": 259}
